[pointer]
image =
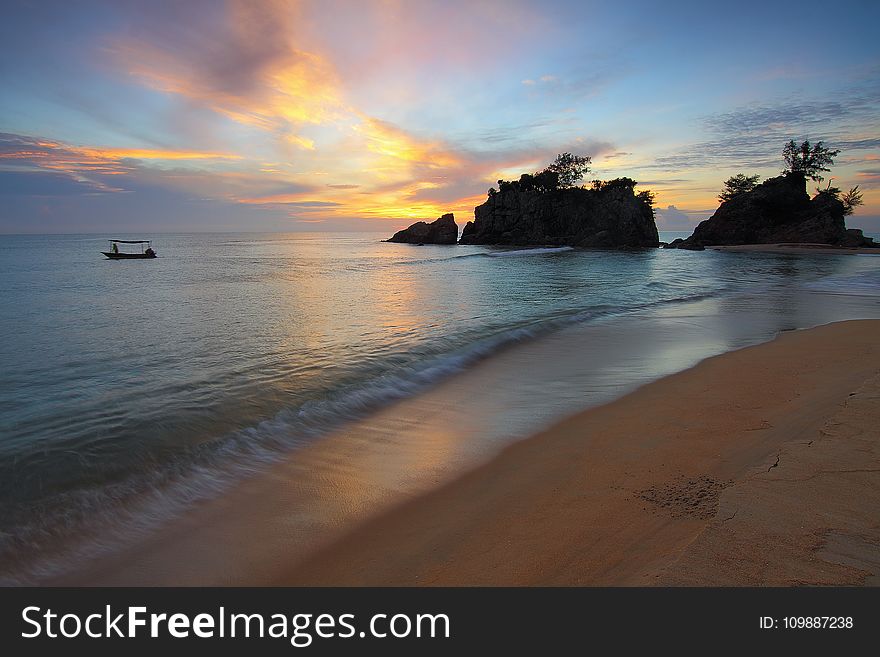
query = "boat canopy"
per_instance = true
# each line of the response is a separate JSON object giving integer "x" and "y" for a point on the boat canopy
{"x": 131, "y": 241}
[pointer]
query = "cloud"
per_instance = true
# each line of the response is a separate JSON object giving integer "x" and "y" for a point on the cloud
{"x": 392, "y": 142}
{"x": 671, "y": 218}
{"x": 287, "y": 90}
{"x": 468, "y": 182}
{"x": 757, "y": 133}
{"x": 250, "y": 65}
{"x": 291, "y": 202}
{"x": 664, "y": 182}
{"x": 576, "y": 85}
{"x": 42, "y": 167}
{"x": 242, "y": 65}
{"x": 751, "y": 137}
{"x": 41, "y": 183}
{"x": 45, "y": 152}
{"x": 772, "y": 118}
{"x": 857, "y": 144}
{"x": 87, "y": 169}
{"x": 516, "y": 132}
{"x": 869, "y": 178}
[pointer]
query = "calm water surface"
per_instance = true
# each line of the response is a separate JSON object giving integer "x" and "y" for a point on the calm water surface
{"x": 118, "y": 379}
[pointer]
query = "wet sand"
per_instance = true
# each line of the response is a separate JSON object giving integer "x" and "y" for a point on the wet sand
{"x": 759, "y": 466}
{"x": 800, "y": 248}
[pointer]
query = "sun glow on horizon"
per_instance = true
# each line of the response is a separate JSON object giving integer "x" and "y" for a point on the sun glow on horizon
{"x": 345, "y": 113}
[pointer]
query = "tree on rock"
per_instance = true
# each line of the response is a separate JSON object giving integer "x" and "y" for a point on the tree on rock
{"x": 851, "y": 200}
{"x": 809, "y": 159}
{"x": 571, "y": 169}
{"x": 736, "y": 185}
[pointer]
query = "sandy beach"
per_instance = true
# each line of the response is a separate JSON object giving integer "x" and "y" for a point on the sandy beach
{"x": 756, "y": 467}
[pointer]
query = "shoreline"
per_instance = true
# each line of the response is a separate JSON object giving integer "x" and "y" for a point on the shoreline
{"x": 666, "y": 485}
{"x": 798, "y": 248}
{"x": 254, "y": 532}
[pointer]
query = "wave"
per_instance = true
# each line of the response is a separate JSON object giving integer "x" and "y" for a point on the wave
{"x": 529, "y": 252}
{"x": 863, "y": 284}
{"x": 89, "y": 523}
{"x": 495, "y": 253}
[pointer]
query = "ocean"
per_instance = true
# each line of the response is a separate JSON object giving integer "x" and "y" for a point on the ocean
{"x": 132, "y": 391}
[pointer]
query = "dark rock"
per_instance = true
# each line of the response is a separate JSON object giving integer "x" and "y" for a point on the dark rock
{"x": 679, "y": 243}
{"x": 613, "y": 218}
{"x": 779, "y": 210}
{"x": 441, "y": 231}
{"x": 467, "y": 231}
{"x": 855, "y": 239}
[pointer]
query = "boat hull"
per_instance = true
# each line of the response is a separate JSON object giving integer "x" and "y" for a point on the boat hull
{"x": 128, "y": 256}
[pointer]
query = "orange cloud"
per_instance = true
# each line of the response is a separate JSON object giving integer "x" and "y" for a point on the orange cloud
{"x": 250, "y": 72}
{"x": 255, "y": 66}
{"x": 390, "y": 141}
{"x": 302, "y": 142}
{"x": 151, "y": 154}
{"x": 394, "y": 201}
{"x": 89, "y": 164}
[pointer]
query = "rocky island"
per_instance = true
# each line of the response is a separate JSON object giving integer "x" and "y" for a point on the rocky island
{"x": 440, "y": 231}
{"x": 609, "y": 215}
{"x": 779, "y": 210}
{"x": 552, "y": 208}
{"x": 548, "y": 209}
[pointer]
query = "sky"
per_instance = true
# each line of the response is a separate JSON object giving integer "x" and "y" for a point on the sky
{"x": 348, "y": 115}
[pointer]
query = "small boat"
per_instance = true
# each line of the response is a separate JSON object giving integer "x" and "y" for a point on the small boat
{"x": 115, "y": 254}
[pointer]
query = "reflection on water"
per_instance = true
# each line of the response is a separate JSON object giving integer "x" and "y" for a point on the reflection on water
{"x": 159, "y": 385}
{"x": 411, "y": 447}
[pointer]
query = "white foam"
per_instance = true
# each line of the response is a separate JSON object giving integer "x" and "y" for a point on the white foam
{"x": 529, "y": 252}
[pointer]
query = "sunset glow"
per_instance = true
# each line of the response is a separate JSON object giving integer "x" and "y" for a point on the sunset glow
{"x": 362, "y": 115}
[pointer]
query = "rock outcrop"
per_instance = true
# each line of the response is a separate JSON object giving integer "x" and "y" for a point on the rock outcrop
{"x": 779, "y": 210}
{"x": 855, "y": 238}
{"x": 441, "y": 231}
{"x": 611, "y": 217}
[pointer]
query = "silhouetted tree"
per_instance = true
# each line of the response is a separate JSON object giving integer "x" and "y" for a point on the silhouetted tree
{"x": 527, "y": 182}
{"x": 810, "y": 160}
{"x": 736, "y": 185}
{"x": 851, "y": 200}
{"x": 564, "y": 172}
{"x": 546, "y": 181}
{"x": 646, "y": 196}
{"x": 570, "y": 168}
{"x": 616, "y": 183}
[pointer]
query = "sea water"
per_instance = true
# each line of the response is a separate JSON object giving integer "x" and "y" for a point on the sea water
{"x": 123, "y": 380}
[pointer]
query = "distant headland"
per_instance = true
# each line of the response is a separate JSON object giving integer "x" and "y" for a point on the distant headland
{"x": 551, "y": 208}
